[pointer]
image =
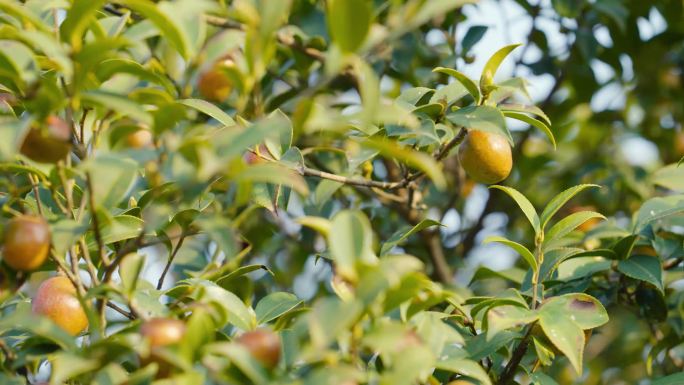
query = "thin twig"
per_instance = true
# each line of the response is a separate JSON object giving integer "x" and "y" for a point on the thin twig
{"x": 96, "y": 225}
{"x": 170, "y": 261}
{"x": 121, "y": 311}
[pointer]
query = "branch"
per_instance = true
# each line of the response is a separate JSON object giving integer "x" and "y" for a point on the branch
{"x": 518, "y": 354}
{"x": 170, "y": 261}
{"x": 96, "y": 225}
{"x": 361, "y": 182}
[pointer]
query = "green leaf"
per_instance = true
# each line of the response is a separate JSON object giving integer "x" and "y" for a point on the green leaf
{"x": 12, "y": 132}
{"x": 416, "y": 159}
{"x": 465, "y": 367}
{"x": 525, "y": 109}
{"x": 624, "y": 246}
{"x": 568, "y": 8}
{"x": 349, "y": 22}
{"x": 658, "y": 208}
{"x": 111, "y": 178}
{"x": 241, "y": 358}
{"x": 129, "y": 270}
{"x": 544, "y": 353}
{"x": 559, "y": 200}
{"x": 119, "y": 228}
{"x": 584, "y": 310}
{"x": 330, "y": 317}
{"x": 65, "y": 233}
{"x": 319, "y": 224}
{"x": 350, "y": 240}
{"x": 474, "y": 35}
{"x": 21, "y": 12}
{"x": 164, "y": 21}
{"x": 539, "y": 378}
{"x": 445, "y": 96}
{"x": 524, "y": 204}
{"x": 522, "y": 250}
{"x": 487, "y": 77}
{"x": 274, "y": 305}
{"x": 483, "y": 118}
{"x": 401, "y": 235}
{"x": 273, "y": 173}
{"x": 233, "y": 309}
{"x": 78, "y": 18}
{"x": 66, "y": 365}
{"x": 644, "y": 268}
{"x": 17, "y": 62}
{"x": 533, "y": 122}
{"x": 119, "y": 103}
{"x": 429, "y": 10}
{"x": 199, "y": 332}
{"x": 565, "y": 334}
{"x": 569, "y": 223}
{"x": 670, "y": 177}
{"x": 280, "y": 140}
{"x": 508, "y": 316}
{"x": 673, "y": 379}
{"x": 220, "y": 230}
{"x": 210, "y": 109}
{"x": 470, "y": 85}
{"x": 582, "y": 267}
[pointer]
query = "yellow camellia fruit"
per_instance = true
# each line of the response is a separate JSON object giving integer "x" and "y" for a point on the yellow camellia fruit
{"x": 486, "y": 157}
{"x": 49, "y": 142}
{"x": 141, "y": 138}
{"x": 56, "y": 299}
{"x": 162, "y": 331}
{"x": 214, "y": 84}
{"x": 26, "y": 242}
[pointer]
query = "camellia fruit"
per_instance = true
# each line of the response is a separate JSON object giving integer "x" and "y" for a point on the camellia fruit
{"x": 49, "y": 142}
{"x": 162, "y": 331}
{"x": 486, "y": 157}
{"x": 141, "y": 138}
{"x": 26, "y": 242}
{"x": 56, "y": 299}
{"x": 214, "y": 85}
{"x": 263, "y": 345}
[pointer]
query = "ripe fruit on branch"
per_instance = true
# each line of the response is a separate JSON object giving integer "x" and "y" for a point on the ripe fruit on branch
{"x": 215, "y": 84}
{"x": 141, "y": 138}
{"x": 162, "y": 331}
{"x": 486, "y": 157}
{"x": 56, "y": 299}
{"x": 48, "y": 142}
{"x": 26, "y": 243}
{"x": 263, "y": 345}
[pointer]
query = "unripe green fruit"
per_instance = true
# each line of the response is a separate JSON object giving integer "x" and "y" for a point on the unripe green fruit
{"x": 26, "y": 242}
{"x": 56, "y": 299}
{"x": 263, "y": 345}
{"x": 486, "y": 157}
{"x": 48, "y": 143}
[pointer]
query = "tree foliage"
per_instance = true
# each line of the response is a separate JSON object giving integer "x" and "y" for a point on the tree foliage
{"x": 218, "y": 170}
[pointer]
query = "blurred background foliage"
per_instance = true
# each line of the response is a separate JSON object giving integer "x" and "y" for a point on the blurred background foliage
{"x": 305, "y": 88}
